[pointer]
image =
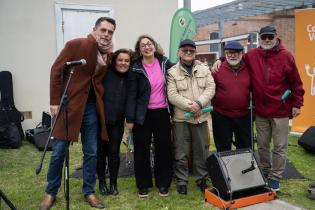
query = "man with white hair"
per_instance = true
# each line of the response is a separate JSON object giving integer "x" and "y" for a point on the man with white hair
{"x": 273, "y": 73}
{"x": 190, "y": 87}
{"x": 231, "y": 101}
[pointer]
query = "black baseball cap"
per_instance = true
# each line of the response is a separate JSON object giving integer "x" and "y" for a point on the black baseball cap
{"x": 267, "y": 30}
{"x": 186, "y": 42}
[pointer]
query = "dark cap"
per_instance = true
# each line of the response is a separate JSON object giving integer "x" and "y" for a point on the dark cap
{"x": 267, "y": 30}
{"x": 233, "y": 45}
{"x": 187, "y": 42}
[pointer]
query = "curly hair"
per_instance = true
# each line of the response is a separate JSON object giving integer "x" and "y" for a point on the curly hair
{"x": 157, "y": 47}
{"x": 117, "y": 52}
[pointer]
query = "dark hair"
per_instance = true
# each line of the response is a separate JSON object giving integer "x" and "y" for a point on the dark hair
{"x": 117, "y": 52}
{"x": 108, "y": 19}
{"x": 137, "y": 53}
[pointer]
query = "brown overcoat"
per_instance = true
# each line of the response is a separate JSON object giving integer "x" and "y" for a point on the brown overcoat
{"x": 78, "y": 90}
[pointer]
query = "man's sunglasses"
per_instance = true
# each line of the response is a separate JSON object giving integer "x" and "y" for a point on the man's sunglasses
{"x": 267, "y": 36}
{"x": 191, "y": 51}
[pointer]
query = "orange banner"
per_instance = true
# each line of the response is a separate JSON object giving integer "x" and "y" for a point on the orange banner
{"x": 305, "y": 59}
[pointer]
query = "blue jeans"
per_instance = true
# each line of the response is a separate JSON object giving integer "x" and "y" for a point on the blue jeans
{"x": 89, "y": 136}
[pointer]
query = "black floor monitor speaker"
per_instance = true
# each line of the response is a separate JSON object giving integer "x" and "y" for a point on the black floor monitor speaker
{"x": 307, "y": 140}
{"x": 225, "y": 170}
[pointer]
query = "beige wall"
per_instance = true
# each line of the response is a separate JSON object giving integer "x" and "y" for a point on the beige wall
{"x": 28, "y": 41}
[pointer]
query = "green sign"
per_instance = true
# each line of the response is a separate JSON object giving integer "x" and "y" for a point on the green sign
{"x": 183, "y": 27}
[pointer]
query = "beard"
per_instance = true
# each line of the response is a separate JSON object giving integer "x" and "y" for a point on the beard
{"x": 234, "y": 62}
{"x": 267, "y": 46}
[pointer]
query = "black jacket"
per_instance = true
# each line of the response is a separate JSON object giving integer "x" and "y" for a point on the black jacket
{"x": 139, "y": 90}
{"x": 115, "y": 95}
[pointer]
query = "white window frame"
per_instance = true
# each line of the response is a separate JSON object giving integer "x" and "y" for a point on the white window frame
{"x": 59, "y": 6}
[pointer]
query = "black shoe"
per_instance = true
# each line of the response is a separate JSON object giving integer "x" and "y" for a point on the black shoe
{"x": 182, "y": 189}
{"x": 103, "y": 188}
{"x": 163, "y": 191}
{"x": 202, "y": 184}
{"x": 143, "y": 192}
{"x": 113, "y": 189}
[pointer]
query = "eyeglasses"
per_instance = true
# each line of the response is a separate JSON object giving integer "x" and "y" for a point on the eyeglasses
{"x": 143, "y": 46}
{"x": 267, "y": 36}
{"x": 231, "y": 53}
{"x": 191, "y": 51}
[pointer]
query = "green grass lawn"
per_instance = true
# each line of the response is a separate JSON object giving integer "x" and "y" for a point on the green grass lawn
{"x": 25, "y": 189}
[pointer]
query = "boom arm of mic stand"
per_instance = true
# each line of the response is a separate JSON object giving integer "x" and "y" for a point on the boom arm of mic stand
{"x": 40, "y": 164}
{"x": 251, "y": 168}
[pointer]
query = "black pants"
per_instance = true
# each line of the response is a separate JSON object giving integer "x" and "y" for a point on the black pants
{"x": 110, "y": 150}
{"x": 157, "y": 122}
{"x": 224, "y": 127}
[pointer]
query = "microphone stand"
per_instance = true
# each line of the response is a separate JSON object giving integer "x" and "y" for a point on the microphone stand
{"x": 64, "y": 101}
{"x": 7, "y": 201}
{"x": 251, "y": 107}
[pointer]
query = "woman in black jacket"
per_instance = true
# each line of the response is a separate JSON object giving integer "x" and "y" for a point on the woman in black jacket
{"x": 115, "y": 87}
{"x": 147, "y": 114}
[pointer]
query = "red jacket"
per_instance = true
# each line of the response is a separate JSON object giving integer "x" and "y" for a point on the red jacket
{"x": 273, "y": 72}
{"x": 232, "y": 90}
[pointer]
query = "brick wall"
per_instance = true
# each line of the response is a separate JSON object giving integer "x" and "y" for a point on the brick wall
{"x": 282, "y": 20}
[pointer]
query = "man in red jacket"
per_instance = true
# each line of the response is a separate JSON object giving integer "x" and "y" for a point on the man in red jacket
{"x": 273, "y": 72}
{"x": 231, "y": 114}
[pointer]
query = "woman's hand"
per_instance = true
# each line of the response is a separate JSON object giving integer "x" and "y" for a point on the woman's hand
{"x": 130, "y": 126}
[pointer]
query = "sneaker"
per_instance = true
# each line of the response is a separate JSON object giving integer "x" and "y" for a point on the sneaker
{"x": 182, "y": 189}
{"x": 143, "y": 193}
{"x": 274, "y": 185}
{"x": 163, "y": 191}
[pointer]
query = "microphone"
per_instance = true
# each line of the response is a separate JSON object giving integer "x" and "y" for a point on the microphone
{"x": 204, "y": 110}
{"x": 285, "y": 95}
{"x": 251, "y": 168}
{"x": 76, "y": 63}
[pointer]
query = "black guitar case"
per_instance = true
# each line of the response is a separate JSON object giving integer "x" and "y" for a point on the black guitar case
{"x": 10, "y": 117}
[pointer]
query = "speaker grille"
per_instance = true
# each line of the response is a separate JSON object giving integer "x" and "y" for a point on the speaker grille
{"x": 225, "y": 170}
{"x": 233, "y": 166}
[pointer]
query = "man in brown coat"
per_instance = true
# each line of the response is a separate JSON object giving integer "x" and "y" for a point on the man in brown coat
{"x": 85, "y": 107}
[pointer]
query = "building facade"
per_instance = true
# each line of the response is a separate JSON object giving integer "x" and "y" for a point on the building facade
{"x": 33, "y": 33}
{"x": 241, "y": 20}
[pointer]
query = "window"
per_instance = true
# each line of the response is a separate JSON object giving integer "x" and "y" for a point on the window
{"x": 252, "y": 41}
{"x": 214, "y": 47}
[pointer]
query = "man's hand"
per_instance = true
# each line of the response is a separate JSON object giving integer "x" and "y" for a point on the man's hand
{"x": 129, "y": 126}
{"x": 216, "y": 66}
{"x": 194, "y": 107}
{"x": 197, "y": 114}
{"x": 53, "y": 110}
{"x": 296, "y": 112}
